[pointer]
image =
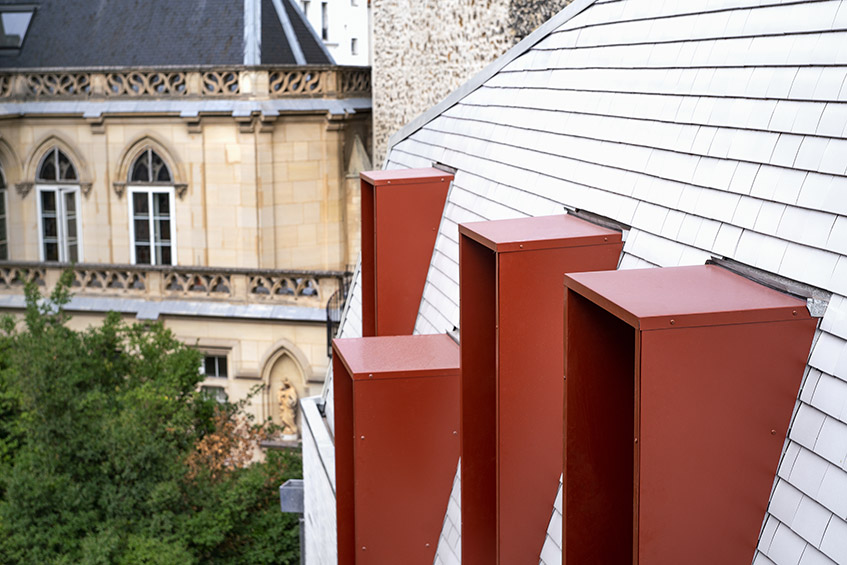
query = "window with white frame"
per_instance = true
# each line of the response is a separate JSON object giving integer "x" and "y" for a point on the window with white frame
{"x": 151, "y": 204}
{"x": 324, "y": 21}
{"x": 354, "y": 46}
{"x": 59, "y": 225}
{"x": 217, "y": 393}
{"x": 4, "y": 242}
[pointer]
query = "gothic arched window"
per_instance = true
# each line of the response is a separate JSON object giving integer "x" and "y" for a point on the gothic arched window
{"x": 58, "y": 208}
{"x": 55, "y": 166}
{"x": 149, "y": 167}
{"x": 151, "y": 203}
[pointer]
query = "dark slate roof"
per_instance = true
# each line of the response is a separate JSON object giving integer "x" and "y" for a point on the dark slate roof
{"x": 312, "y": 48}
{"x": 146, "y": 33}
{"x": 275, "y": 48}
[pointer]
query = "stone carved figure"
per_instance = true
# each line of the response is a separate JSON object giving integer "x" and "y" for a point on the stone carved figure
{"x": 288, "y": 407}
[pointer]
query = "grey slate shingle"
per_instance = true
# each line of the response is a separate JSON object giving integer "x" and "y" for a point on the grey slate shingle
{"x": 153, "y": 33}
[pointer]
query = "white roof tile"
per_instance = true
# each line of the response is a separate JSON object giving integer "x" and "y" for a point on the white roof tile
{"x": 832, "y": 442}
{"x": 760, "y": 559}
{"x": 715, "y": 155}
{"x": 830, "y": 396}
{"x": 812, "y": 556}
{"x": 833, "y": 491}
{"x": 768, "y": 533}
{"x": 807, "y": 426}
{"x": 786, "y": 547}
{"x": 785, "y": 501}
{"x": 834, "y": 543}
{"x": 835, "y": 318}
{"x": 808, "y": 472}
{"x": 811, "y": 521}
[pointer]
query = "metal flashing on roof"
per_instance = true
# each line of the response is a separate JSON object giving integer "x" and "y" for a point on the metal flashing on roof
{"x": 445, "y": 168}
{"x": 816, "y": 299}
{"x": 252, "y": 37}
{"x": 600, "y": 220}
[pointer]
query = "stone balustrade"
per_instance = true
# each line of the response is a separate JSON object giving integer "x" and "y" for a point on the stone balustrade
{"x": 257, "y": 286}
{"x": 252, "y": 82}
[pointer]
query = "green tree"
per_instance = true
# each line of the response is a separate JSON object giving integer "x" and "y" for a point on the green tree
{"x": 105, "y": 451}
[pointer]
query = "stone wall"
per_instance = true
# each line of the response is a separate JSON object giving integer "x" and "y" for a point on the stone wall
{"x": 425, "y": 50}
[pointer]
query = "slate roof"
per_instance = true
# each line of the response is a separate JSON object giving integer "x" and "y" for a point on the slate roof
{"x": 150, "y": 33}
{"x": 276, "y": 48}
{"x": 712, "y": 127}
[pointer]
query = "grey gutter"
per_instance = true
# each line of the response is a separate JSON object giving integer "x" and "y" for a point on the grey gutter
{"x": 184, "y": 108}
{"x": 492, "y": 69}
{"x": 153, "y": 310}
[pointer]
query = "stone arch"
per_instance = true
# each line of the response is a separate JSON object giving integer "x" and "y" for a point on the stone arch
{"x": 133, "y": 150}
{"x": 38, "y": 152}
{"x": 284, "y": 361}
{"x": 10, "y": 163}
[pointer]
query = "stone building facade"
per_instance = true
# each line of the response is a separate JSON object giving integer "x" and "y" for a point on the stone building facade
{"x": 425, "y": 50}
{"x": 211, "y": 187}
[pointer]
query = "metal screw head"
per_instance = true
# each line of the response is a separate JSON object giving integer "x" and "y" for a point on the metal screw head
{"x": 794, "y": 313}
{"x": 520, "y": 246}
{"x": 773, "y": 432}
{"x": 427, "y": 545}
{"x": 673, "y": 321}
{"x": 364, "y": 548}
{"x": 370, "y": 375}
{"x": 605, "y": 239}
{"x": 363, "y": 437}
{"x": 455, "y": 433}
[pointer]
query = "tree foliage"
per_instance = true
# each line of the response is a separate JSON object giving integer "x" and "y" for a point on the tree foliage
{"x": 109, "y": 454}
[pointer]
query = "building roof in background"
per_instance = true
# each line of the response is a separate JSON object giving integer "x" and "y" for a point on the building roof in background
{"x": 287, "y": 38}
{"x": 150, "y": 33}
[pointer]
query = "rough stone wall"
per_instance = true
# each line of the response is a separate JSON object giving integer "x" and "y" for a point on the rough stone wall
{"x": 425, "y": 49}
{"x": 526, "y": 15}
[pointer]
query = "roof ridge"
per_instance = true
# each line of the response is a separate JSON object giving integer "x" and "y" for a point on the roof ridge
{"x": 574, "y": 8}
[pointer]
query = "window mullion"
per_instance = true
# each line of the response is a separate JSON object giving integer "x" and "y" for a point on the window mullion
{"x": 61, "y": 223}
{"x": 152, "y": 222}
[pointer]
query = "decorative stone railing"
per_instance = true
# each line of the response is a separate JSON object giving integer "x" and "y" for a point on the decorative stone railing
{"x": 302, "y": 288}
{"x": 267, "y": 82}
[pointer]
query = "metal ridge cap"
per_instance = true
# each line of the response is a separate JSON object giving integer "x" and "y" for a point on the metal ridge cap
{"x": 524, "y": 45}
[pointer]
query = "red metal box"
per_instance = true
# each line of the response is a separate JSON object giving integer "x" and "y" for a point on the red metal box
{"x": 679, "y": 388}
{"x": 401, "y": 211}
{"x": 396, "y": 445}
{"x": 511, "y": 349}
